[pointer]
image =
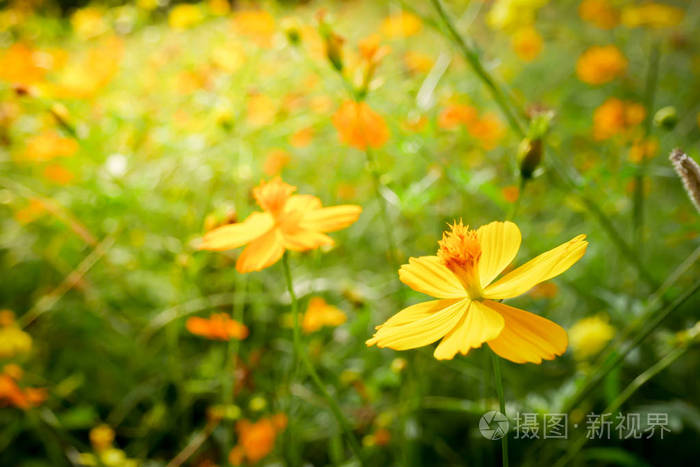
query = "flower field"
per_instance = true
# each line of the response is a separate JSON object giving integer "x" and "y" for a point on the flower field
{"x": 352, "y": 233}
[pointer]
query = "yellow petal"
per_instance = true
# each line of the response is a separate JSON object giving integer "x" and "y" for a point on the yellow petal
{"x": 478, "y": 325}
{"x": 234, "y": 235}
{"x": 332, "y": 218}
{"x": 302, "y": 203}
{"x": 419, "y": 325}
{"x": 428, "y": 275}
{"x": 261, "y": 253}
{"x": 303, "y": 240}
{"x": 539, "y": 269}
{"x": 500, "y": 242}
{"x": 527, "y": 337}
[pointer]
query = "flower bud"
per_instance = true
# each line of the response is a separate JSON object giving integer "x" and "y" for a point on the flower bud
{"x": 666, "y": 118}
{"x": 529, "y": 156}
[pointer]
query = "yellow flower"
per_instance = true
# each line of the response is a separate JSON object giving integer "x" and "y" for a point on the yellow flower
{"x": 259, "y": 25}
{"x": 288, "y": 222}
{"x": 653, "y": 15}
{"x": 360, "y": 126}
{"x": 320, "y": 314}
{"x": 643, "y": 149}
{"x": 510, "y": 14}
{"x": 101, "y": 437}
{"x": 615, "y": 116}
{"x": 185, "y": 15}
{"x": 49, "y": 145}
{"x": 527, "y": 43}
{"x": 88, "y": 22}
{"x": 403, "y": 24}
{"x": 589, "y": 336}
{"x": 417, "y": 62}
{"x": 466, "y": 313}
{"x": 219, "y": 326}
{"x": 600, "y": 64}
{"x": 21, "y": 65}
{"x": 13, "y": 341}
{"x": 600, "y": 13}
{"x": 275, "y": 161}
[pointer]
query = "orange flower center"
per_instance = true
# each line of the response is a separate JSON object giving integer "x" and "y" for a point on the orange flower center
{"x": 460, "y": 251}
{"x": 273, "y": 195}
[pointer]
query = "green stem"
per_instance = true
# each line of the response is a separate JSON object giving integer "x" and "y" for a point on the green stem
{"x": 472, "y": 58}
{"x": 300, "y": 353}
{"x": 495, "y": 359}
{"x": 615, "y": 359}
{"x": 383, "y": 211}
{"x": 638, "y": 200}
{"x": 516, "y": 204}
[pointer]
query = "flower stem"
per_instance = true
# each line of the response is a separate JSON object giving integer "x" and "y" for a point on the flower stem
{"x": 383, "y": 211}
{"x": 300, "y": 354}
{"x": 495, "y": 359}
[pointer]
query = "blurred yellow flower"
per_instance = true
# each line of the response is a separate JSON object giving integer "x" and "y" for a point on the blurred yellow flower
{"x": 589, "y": 336}
{"x": 600, "y": 64}
{"x": 58, "y": 174}
{"x": 219, "y": 326}
{"x": 256, "y": 440}
{"x": 88, "y": 22}
{"x": 600, "y": 13}
{"x": 488, "y": 130}
{"x": 320, "y": 314}
{"x": 13, "y": 340}
{"x": 454, "y": 115}
{"x": 288, "y": 222}
{"x": 615, "y": 117}
{"x": 359, "y": 126}
{"x": 229, "y": 56}
{"x": 466, "y": 313}
{"x": 302, "y": 138}
{"x": 219, "y": 7}
{"x": 185, "y": 15}
{"x": 652, "y": 15}
{"x": 101, "y": 437}
{"x": 417, "y": 62}
{"x": 14, "y": 395}
{"x": 402, "y": 24}
{"x": 275, "y": 161}
{"x": 48, "y": 145}
{"x": 527, "y": 43}
{"x": 262, "y": 109}
{"x": 643, "y": 149}
{"x": 512, "y": 14}
{"x": 31, "y": 212}
{"x": 259, "y": 25}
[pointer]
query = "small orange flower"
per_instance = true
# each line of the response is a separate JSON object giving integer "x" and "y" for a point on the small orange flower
{"x": 600, "y": 13}
{"x": 487, "y": 129}
{"x": 511, "y": 193}
{"x": 218, "y": 327}
{"x": 643, "y": 149}
{"x": 288, "y": 222}
{"x": 371, "y": 49}
{"x": 262, "y": 110}
{"x": 259, "y": 25}
{"x": 12, "y": 394}
{"x": 600, "y": 64}
{"x": 49, "y": 145}
{"x": 320, "y": 314}
{"x": 58, "y": 174}
{"x": 615, "y": 116}
{"x": 527, "y": 43}
{"x": 359, "y": 126}
{"x": 417, "y": 62}
{"x": 20, "y": 64}
{"x": 275, "y": 161}
{"x": 457, "y": 114}
{"x": 256, "y": 440}
{"x": 302, "y": 138}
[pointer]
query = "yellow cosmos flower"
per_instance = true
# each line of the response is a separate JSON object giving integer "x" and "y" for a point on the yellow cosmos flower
{"x": 589, "y": 336}
{"x": 320, "y": 314}
{"x": 466, "y": 313}
{"x": 600, "y": 64}
{"x": 288, "y": 222}
{"x": 403, "y": 24}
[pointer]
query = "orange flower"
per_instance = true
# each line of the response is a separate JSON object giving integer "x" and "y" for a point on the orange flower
{"x": 218, "y": 327}
{"x": 417, "y": 62}
{"x": 527, "y": 43}
{"x": 600, "y": 64}
{"x": 261, "y": 110}
{"x": 48, "y": 145}
{"x": 488, "y": 130}
{"x": 256, "y": 440}
{"x": 643, "y": 149}
{"x": 600, "y": 13}
{"x": 510, "y": 193}
{"x": 456, "y": 114}
{"x": 20, "y": 64}
{"x": 58, "y": 174}
{"x": 359, "y": 126}
{"x": 615, "y": 116}
{"x": 12, "y": 394}
{"x": 371, "y": 49}
{"x": 275, "y": 161}
{"x": 320, "y": 314}
{"x": 302, "y": 138}
{"x": 288, "y": 222}
{"x": 259, "y": 25}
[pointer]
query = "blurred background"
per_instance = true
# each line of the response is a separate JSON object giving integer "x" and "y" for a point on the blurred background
{"x": 129, "y": 129}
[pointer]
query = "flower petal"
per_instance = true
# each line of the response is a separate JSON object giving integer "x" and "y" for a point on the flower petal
{"x": 500, "y": 242}
{"x": 302, "y": 203}
{"x": 261, "y": 253}
{"x": 539, "y": 269}
{"x": 303, "y": 240}
{"x": 232, "y": 236}
{"x": 428, "y": 275}
{"x": 419, "y": 325}
{"x": 478, "y": 325}
{"x": 527, "y": 337}
{"x": 331, "y": 218}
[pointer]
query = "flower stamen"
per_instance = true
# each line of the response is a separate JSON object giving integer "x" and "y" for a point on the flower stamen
{"x": 460, "y": 251}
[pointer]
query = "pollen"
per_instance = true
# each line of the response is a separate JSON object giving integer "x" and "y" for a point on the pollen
{"x": 460, "y": 251}
{"x": 273, "y": 195}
